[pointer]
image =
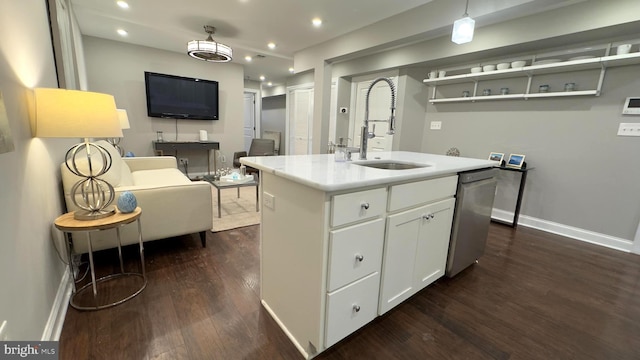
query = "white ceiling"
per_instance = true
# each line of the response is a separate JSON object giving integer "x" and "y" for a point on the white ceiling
{"x": 245, "y": 25}
{"x": 249, "y": 25}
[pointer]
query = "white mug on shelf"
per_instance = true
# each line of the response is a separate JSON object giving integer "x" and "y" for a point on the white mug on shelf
{"x": 442, "y": 73}
{"x": 623, "y": 49}
{"x": 433, "y": 74}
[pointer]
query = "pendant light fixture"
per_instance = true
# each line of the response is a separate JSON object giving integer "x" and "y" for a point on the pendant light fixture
{"x": 209, "y": 50}
{"x": 463, "y": 28}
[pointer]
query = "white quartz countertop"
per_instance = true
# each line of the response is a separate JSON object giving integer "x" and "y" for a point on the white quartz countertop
{"x": 324, "y": 173}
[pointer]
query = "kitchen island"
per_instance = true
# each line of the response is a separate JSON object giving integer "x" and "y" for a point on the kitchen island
{"x": 344, "y": 242}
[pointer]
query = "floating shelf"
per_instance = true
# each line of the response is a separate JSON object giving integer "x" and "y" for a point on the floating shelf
{"x": 595, "y": 63}
{"x": 515, "y": 96}
{"x": 574, "y": 65}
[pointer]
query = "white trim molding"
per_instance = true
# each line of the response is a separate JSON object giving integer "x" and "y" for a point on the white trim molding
{"x": 569, "y": 231}
{"x": 53, "y": 327}
{"x": 636, "y": 242}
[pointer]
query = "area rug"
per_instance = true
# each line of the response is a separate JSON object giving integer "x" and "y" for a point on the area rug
{"x": 236, "y": 212}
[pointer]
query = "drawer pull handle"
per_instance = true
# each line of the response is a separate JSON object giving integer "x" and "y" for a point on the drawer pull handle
{"x": 359, "y": 257}
{"x": 427, "y": 216}
{"x": 356, "y": 308}
{"x": 365, "y": 205}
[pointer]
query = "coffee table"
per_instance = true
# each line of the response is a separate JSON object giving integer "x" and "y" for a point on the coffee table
{"x": 219, "y": 185}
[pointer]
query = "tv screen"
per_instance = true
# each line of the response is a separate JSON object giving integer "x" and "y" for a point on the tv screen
{"x": 180, "y": 97}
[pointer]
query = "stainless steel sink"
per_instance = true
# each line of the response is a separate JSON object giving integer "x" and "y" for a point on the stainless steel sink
{"x": 391, "y": 165}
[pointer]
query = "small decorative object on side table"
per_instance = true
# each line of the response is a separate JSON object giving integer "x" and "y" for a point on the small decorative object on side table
{"x": 67, "y": 224}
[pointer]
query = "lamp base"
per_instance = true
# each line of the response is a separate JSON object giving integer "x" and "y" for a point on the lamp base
{"x": 94, "y": 215}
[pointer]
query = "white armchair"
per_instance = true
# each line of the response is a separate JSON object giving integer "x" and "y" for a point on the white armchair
{"x": 171, "y": 204}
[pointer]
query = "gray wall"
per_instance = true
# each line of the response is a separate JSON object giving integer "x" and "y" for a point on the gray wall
{"x": 30, "y": 270}
{"x": 274, "y": 116}
{"x": 117, "y": 68}
{"x": 585, "y": 176}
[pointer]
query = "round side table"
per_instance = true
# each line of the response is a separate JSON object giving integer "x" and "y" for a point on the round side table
{"x": 67, "y": 224}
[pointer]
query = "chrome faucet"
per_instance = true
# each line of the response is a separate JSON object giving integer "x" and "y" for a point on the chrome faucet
{"x": 365, "y": 134}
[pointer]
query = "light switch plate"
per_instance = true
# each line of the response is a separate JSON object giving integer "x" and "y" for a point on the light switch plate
{"x": 629, "y": 129}
{"x": 436, "y": 125}
{"x": 269, "y": 200}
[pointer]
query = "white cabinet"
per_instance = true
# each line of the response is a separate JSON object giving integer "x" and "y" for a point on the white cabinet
{"x": 351, "y": 307}
{"x": 354, "y": 252}
{"x": 322, "y": 253}
{"x": 415, "y": 252}
{"x": 359, "y": 205}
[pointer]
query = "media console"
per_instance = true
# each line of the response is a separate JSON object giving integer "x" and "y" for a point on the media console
{"x": 176, "y": 146}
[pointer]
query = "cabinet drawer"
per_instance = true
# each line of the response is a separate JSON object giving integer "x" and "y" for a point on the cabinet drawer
{"x": 354, "y": 252}
{"x": 421, "y": 192}
{"x": 351, "y": 307}
{"x": 361, "y": 205}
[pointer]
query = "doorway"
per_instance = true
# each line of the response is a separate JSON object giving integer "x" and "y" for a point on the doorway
{"x": 251, "y": 125}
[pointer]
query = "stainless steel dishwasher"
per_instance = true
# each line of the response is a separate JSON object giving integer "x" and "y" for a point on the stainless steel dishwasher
{"x": 474, "y": 202}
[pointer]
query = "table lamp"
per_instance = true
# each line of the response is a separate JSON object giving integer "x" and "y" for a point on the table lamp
{"x": 124, "y": 124}
{"x": 60, "y": 113}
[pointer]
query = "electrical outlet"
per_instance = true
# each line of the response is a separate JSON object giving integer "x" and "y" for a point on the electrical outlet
{"x": 269, "y": 200}
{"x": 3, "y": 331}
{"x": 184, "y": 161}
{"x": 436, "y": 125}
{"x": 629, "y": 129}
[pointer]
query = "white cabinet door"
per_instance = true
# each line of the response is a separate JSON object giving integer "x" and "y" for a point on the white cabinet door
{"x": 433, "y": 244}
{"x": 416, "y": 248}
{"x": 402, "y": 234}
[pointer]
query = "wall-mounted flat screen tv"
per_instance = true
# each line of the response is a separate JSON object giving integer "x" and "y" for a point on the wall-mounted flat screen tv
{"x": 178, "y": 97}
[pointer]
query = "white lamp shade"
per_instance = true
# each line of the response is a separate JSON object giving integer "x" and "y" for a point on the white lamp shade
{"x": 124, "y": 119}
{"x": 73, "y": 114}
{"x": 463, "y": 30}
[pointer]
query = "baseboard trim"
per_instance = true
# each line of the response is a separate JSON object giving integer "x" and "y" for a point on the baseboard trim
{"x": 286, "y": 331}
{"x": 566, "y": 231}
{"x": 53, "y": 328}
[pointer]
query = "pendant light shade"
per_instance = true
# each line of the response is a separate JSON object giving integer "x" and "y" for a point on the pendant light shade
{"x": 463, "y": 28}
{"x": 209, "y": 50}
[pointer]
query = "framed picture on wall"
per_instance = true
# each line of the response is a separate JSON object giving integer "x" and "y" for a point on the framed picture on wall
{"x": 496, "y": 156}
{"x": 516, "y": 161}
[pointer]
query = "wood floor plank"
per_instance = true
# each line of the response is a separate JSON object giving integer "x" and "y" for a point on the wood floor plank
{"x": 533, "y": 295}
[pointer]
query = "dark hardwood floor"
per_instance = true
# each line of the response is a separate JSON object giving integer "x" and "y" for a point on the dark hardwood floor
{"x": 533, "y": 295}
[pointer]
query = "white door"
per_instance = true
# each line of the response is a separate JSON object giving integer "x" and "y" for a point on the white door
{"x": 379, "y": 109}
{"x": 299, "y": 127}
{"x": 249, "y": 119}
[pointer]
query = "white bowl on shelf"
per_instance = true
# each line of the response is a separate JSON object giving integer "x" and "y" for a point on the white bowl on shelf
{"x": 489, "y": 67}
{"x": 475, "y": 70}
{"x": 503, "y": 66}
{"x": 518, "y": 63}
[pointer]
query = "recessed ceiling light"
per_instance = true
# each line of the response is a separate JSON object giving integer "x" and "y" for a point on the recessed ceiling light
{"x": 316, "y": 22}
{"x": 248, "y": 58}
{"x": 262, "y": 78}
{"x": 270, "y": 83}
{"x": 123, "y": 4}
{"x": 122, "y": 32}
{"x": 291, "y": 70}
{"x": 271, "y": 45}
